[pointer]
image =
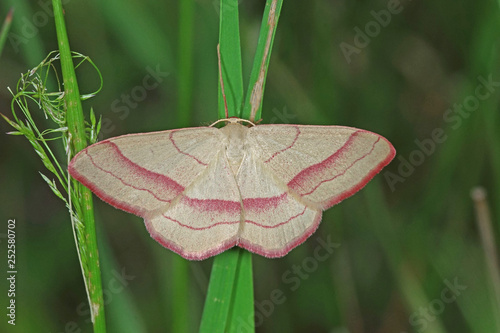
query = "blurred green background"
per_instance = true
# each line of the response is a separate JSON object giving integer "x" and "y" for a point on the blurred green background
{"x": 408, "y": 254}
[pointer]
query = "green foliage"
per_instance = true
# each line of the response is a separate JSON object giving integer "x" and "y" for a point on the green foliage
{"x": 32, "y": 89}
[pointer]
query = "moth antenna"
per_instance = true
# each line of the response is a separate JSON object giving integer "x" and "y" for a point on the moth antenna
{"x": 222, "y": 81}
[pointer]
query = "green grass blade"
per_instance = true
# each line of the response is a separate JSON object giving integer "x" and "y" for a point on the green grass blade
{"x": 76, "y": 129}
{"x": 143, "y": 39}
{"x": 220, "y": 289}
{"x": 230, "y": 291}
{"x": 242, "y": 308}
{"x": 252, "y": 109}
{"x": 180, "y": 276}
{"x": 5, "y": 29}
{"x": 28, "y": 47}
{"x": 237, "y": 300}
{"x": 185, "y": 61}
{"x": 180, "y": 292}
{"x": 230, "y": 51}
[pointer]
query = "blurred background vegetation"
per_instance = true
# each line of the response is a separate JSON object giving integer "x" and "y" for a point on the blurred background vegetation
{"x": 408, "y": 254}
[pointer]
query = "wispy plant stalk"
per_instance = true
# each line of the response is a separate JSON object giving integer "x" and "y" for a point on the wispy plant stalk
{"x": 78, "y": 141}
{"x": 32, "y": 89}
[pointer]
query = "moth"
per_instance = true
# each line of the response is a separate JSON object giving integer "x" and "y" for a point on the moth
{"x": 203, "y": 190}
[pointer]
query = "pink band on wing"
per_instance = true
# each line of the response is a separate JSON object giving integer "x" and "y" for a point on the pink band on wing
{"x": 263, "y": 204}
{"x": 320, "y": 174}
{"x": 162, "y": 187}
{"x": 212, "y": 205}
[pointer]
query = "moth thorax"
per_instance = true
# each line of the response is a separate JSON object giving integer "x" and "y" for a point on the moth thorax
{"x": 235, "y": 151}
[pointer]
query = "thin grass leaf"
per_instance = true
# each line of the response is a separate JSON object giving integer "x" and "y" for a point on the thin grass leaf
{"x": 180, "y": 275}
{"x": 228, "y": 288}
{"x": 220, "y": 290}
{"x": 230, "y": 51}
{"x": 185, "y": 61}
{"x": 242, "y": 310}
{"x": 53, "y": 187}
{"x": 32, "y": 49}
{"x": 4, "y": 31}
{"x": 252, "y": 109}
{"x": 93, "y": 128}
{"x": 241, "y": 296}
{"x": 12, "y": 123}
{"x": 76, "y": 125}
